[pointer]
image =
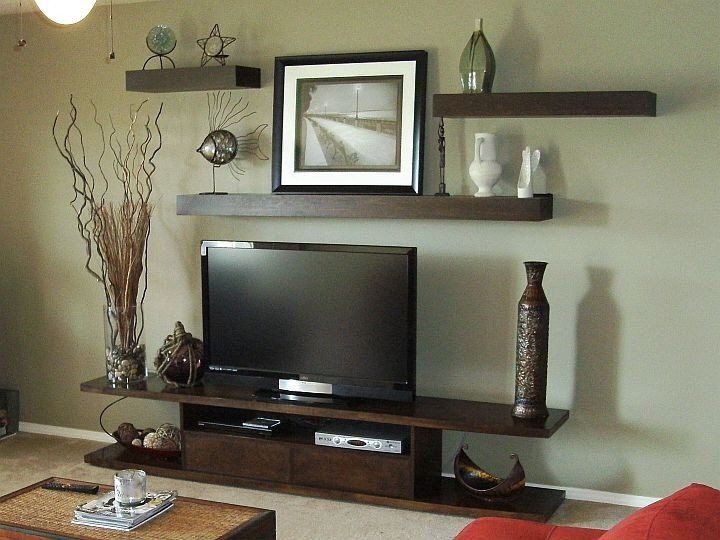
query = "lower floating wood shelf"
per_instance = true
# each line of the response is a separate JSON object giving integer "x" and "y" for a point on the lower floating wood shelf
{"x": 538, "y": 208}
{"x": 444, "y": 496}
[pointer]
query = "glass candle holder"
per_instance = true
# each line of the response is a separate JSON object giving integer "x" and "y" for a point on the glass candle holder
{"x": 130, "y": 487}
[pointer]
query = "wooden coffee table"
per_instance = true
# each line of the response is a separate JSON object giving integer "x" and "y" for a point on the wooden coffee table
{"x": 34, "y": 512}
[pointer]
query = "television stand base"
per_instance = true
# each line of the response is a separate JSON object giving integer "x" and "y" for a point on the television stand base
{"x": 290, "y": 462}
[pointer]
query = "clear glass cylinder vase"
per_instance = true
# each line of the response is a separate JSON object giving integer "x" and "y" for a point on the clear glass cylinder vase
{"x": 124, "y": 353}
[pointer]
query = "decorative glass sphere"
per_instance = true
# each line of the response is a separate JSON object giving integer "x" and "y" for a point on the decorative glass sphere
{"x": 161, "y": 39}
{"x": 213, "y": 46}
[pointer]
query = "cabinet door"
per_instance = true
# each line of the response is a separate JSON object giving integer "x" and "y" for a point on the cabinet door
{"x": 353, "y": 470}
{"x": 236, "y": 456}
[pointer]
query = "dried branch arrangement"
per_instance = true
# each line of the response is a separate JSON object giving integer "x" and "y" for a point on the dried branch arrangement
{"x": 116, "y": 233}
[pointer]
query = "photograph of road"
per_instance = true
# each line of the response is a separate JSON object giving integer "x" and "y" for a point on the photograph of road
{"x": 349, "y": 124}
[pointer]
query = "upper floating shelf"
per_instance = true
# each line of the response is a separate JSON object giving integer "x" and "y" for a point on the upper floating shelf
{"x": 192, "y": 79}
{"x": 539, "y": 208}
{"x": 544, "y": 104}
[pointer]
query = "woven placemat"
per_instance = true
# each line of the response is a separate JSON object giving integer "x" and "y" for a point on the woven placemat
{"x": 192, "y": 519}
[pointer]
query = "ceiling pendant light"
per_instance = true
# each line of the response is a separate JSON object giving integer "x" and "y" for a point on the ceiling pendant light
{"x": 65, "y": 11}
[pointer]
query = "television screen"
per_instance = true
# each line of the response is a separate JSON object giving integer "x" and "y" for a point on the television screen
{"x": 337, "y": 314}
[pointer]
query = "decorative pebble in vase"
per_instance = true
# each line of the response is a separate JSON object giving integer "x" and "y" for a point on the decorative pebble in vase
{"x": 532, "y": 346}
{"x": 484, "y": 170}
{"x": 124, "y": 354}
{"x": 477, "y": 63}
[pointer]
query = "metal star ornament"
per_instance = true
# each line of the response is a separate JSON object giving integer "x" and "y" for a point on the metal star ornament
{"x": 213, "y": 46}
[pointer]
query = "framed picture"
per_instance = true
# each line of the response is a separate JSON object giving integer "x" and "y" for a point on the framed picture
{"x": 349, "y": 123}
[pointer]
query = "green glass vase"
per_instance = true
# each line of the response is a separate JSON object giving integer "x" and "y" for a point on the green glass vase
{"x": 477, "y": 63}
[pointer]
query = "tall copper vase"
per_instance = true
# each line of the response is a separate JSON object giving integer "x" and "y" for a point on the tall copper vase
{"x": 532, "y": 346}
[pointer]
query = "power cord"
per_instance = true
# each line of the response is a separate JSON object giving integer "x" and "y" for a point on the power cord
{"x": 103, "y": 412}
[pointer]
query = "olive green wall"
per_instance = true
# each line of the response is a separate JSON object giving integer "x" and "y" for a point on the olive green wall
{"x": 633, "y": 248}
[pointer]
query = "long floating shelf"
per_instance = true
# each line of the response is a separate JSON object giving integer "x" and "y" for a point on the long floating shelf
{"x": 426, "y": 412}
{"x": 538, "y": 208}
{"x": 192, "y": 79}
{"x": 545, "y": 104}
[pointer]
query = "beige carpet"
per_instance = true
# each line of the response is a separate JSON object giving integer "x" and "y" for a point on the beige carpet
{"x": 27, "y": 458}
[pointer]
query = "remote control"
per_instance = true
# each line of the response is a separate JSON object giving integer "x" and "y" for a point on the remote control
{"x": 79, "y": 488}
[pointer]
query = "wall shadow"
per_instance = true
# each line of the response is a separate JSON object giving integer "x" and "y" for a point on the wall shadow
{"x": 598, "y": 336}
{"x": 581, "y": 213}
{"x": 686, "y": 97}
{"x": 517, "y": 56}
{"x": 466, "y": 320}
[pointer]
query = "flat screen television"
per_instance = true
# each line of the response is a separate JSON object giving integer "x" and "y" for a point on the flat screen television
{"x": 311, "y": 320}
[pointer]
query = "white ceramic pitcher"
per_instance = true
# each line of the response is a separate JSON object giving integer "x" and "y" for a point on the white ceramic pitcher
{"x": 485, "y": 170}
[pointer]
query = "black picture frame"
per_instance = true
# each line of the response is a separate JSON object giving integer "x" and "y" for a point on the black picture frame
{"x": 322, "y": 145}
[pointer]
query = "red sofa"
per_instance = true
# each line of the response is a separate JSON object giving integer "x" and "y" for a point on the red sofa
{"x": 693, "y": 513}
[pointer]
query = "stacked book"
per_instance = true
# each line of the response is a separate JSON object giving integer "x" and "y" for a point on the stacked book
{"x": 104, "y": 512}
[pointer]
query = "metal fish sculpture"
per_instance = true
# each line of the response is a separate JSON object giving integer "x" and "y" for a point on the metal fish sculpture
{"x": 223, "y": 147}
{"x": 220, "y": 147}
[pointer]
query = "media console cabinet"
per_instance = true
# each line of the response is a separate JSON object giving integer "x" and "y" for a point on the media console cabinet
{"x": 290, "y": 462}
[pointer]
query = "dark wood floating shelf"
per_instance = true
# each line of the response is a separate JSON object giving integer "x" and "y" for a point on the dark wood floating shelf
{"x": 192, "y": 79}
{"x": 544, "y": 104}
{"x": 428, "y": 412}
{"x": 538, "y": 208}
{"x": 290, "y": 462}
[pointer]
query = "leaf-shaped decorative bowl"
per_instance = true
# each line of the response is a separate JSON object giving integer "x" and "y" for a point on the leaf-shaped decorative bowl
{"x": 485, "y": 485}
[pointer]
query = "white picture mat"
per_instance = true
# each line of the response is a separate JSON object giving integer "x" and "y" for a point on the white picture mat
{"x": 403, "y": 178}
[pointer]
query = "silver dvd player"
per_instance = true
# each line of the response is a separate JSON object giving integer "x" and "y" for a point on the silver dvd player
{"x": 372, "y": 438}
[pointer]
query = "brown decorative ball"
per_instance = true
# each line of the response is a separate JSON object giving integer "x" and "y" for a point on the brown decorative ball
{"x": 126, "y": 433}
